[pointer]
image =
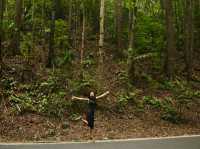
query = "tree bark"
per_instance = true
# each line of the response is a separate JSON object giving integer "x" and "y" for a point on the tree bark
{"x": 197, "y": 26}
{"x": 101, "y": 36}
{"x": 188, "y": 37}
{"x": 131, "y": 25}
{"x": 83, "y": 33}
{"x": 170, "y": 31}
{"x": 33, "y": 27}
{"x": 51, "y": 38}
{"x": 70, "y": 23}
{"x": 131, "y": 63}
{"x": 1, "y": 30}
{"x": 119, "y": 26}
{"x": 18, "y": 22}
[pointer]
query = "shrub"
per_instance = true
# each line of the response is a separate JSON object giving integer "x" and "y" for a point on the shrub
{"x": 152, "y": 101}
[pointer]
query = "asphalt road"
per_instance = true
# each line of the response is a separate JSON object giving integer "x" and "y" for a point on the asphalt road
{"x": 185, "y": 142}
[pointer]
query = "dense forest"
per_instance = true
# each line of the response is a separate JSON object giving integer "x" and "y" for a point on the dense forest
{"x": 145, "y": 52}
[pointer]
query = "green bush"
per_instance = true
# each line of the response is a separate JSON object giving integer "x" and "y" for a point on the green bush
{"x": 152, "y": 101}
{"x": 26, "y": 44}
{"x": 54, "y": 105}
{"x": 170, "y": 113}
{"x": 84, "y": 85}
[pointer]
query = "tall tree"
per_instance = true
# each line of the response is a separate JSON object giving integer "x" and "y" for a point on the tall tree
{"x": 70, "y": 22}
{"x": 1, "y": 29}
{"x": 33, "y": 24}
{"x": 101, "y": 36}
{"x": 118, "y": 13}
{"x": 132, "y": 18}
{"x": 132, "y": 11}
{"x": 188, "y": 37}
{"x": 59, "y": 9}
{"x": 170, "y": 32}
{"x": 50, "y": 62}
{"x": 83, "y": 30}
{"x": 18, "y": 22}
{"x": 196, "y": 25}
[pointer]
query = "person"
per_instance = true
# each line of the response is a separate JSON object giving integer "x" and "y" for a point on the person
{"x": 91, "y": 109}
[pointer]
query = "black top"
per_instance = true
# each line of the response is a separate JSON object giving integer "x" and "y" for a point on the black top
{"x": 91, "y": 110}
{"x": 92, "y": 104}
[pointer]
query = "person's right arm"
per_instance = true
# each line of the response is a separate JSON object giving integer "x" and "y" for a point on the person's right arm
{"x": 79, "y": 98}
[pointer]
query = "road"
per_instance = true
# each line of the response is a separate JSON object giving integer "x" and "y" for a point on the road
{"x": 184, "y": 142}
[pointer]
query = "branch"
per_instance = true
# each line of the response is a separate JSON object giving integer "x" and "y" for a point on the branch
{"x": 79, "y": 98}
{"x": 103, "y": 95}
{"x": 144, "y": 56}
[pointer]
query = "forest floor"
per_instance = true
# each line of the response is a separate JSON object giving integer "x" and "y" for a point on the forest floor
{"x": 116, "y": 116}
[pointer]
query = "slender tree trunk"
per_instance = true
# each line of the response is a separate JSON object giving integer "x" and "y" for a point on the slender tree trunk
{"x": 132, "y": 17}
{"x": 51, "y": 38}
{"x": 119, "y": 26}
{"x": 101, "y": 36}
{"x": 75, "y": 23}
{"x": 43, "y": 22}
{"x": 58, "y": 9}
{"x": 170, "y": 31}
{"x": 131, "y": 26}
{"x": 1, "y": 30}
{"x": 18, "y": 21}
{"x": 33, "y": 27}
{"x": 197, "y": 26}
{"x": 70, "y": 23}
{"x": 188, "y": 37}
{"x": 83, "y": 33}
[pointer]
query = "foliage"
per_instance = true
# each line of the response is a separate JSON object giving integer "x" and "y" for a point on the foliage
{"x": 84, "y": 85}
{"x": 45, "y": 97}
{"x": 88, "y": 61}
{"x": 123, "y": 78}
{"x": 152, "y": 101}
{"x": 149, "y": 35}
{"x": 26, "y": 45}
{"x": 168, "y": 111}
{"x": 123, "y": 100}
{"x": 61, "y": 37}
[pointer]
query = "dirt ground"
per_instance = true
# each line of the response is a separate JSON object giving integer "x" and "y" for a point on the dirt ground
{"x": 109, "y": 124}
{"x": 32, "y": 127}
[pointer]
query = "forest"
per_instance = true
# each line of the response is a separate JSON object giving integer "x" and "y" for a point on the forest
{"x": 146, "y": 53}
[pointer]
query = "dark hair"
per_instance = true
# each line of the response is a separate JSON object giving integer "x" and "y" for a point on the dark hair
{"x": 92, "y": 98}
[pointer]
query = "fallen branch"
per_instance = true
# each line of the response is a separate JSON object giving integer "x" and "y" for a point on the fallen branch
{"x": 144, "y": 56}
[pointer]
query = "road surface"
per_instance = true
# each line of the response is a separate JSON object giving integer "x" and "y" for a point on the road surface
{"x": 184, "y": 142}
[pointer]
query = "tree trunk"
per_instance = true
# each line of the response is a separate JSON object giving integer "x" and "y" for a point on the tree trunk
{"x": 83, "y": 33}
{"x": 197, "y": 26}
{"x": 131, "y": 64}
{"x": 1, "y": 30}
{"x": 33, "y": 27}
{"x": 119, "y": 26}
{"x": 75, "y": 24}
{"x": 188, "y": 37}
{"x": 101, "y": 37}
{"x": 70, "y": 23}
{"x": 51, "y": 38}
{"x": 18, "y": 21}
{"x": 131, "y": 25}
{"x": 170, "y": 31}
{"x": 58, "y": 9}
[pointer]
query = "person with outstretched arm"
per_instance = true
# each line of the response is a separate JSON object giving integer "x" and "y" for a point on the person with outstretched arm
{"x": 91, "y": 109}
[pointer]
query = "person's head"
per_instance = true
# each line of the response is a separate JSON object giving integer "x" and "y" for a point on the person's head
{"x": 92, "y": 95}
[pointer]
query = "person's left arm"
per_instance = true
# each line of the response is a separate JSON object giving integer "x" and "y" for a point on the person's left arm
{"x": 103, "y": 95}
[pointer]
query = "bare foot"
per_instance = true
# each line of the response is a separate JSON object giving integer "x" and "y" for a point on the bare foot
{"x": 85, "y": 121}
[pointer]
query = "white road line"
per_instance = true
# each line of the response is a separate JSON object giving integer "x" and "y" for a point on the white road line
{"x": 104, "y": 141}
